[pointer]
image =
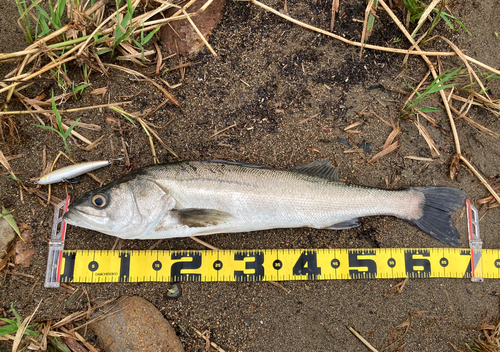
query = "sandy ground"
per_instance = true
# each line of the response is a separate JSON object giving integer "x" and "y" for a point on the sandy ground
{"x": 270, "y": 75}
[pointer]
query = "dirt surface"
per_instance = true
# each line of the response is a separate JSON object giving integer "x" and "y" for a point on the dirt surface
{"x": 290, "y": 92}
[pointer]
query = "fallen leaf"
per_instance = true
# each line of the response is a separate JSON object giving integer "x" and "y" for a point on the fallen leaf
{"x": 100, "y": 91}
{"x": 385, "y": 151}
{"x": 24, "y": 249}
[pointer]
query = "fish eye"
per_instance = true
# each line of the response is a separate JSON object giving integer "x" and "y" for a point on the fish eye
{"x": 99, "y": 200}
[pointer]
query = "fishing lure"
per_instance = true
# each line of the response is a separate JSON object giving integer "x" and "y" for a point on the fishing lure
{"x": 72, "y": 171}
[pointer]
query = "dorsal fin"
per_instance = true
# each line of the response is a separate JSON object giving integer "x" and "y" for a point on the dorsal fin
{"x": 320, "y": 168}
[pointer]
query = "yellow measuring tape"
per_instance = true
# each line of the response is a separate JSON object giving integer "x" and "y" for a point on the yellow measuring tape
{"x": 93, "y": 266}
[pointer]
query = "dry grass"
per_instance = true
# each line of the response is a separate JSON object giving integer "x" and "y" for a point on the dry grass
{"x": 69, "y": 331}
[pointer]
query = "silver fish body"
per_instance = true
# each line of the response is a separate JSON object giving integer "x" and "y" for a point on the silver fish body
{"x": 207, "y": 197}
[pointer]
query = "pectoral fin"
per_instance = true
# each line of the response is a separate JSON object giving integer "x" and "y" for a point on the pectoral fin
{"x": 201, "y": 217}
{"x": 344, "y": 225}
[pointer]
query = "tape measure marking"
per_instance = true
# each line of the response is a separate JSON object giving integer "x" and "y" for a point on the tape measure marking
{"x": 94, "y": 266}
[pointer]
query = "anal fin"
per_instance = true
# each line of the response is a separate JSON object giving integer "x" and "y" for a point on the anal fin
{"x": 344, "y": 225}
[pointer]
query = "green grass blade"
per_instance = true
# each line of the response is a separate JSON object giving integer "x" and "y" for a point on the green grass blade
{"x": 41, "y": 12}
{"x": 24, "y": 16}
{"x": 69, "y": 42}
{"x": 58, "y": 344}
{"x": 78, "y": 89}
{"x": 124, "y": 114}
{"x": 61, "y": 4}
{"x": 58, "y": 116}
{"x": 149, "y": 36}
{"x": 98, "y": 39}
{"x": 103, "y": 51}
{"x": 7, "y": 215}
{"x": 446, "y": 17}
{"x": 428, "y": 109}
{"x": 18, "y": 318}
{"x": 8, "y": 329}
{"x": 436, "y": 88}
{"x": 10, "y": 321}
{"x": 50, "y": 128}
{"x": 68, "y": 131}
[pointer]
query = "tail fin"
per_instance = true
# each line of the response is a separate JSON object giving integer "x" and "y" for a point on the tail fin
{"x": 439, "y": 202}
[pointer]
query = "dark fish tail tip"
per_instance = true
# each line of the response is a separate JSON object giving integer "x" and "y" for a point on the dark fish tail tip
{"x": 438, "y": 204}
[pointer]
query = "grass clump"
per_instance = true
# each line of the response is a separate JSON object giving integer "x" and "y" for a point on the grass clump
{"x": 14, "y": 325}
{"x": 417, "y": 8}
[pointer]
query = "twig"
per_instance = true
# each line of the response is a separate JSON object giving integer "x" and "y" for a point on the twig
{"x": 469, "y": 68}
{"x": 418, "y": 158}
{"x": 335, "y": 9}
{"x": 153, "y": 132}
{"x": 361, "y": 338}
{"x": 124, "y": 146}
{"x": 208, "y": 245}
{"x": 14, "y": 273}
{"x": 278, "y": 285}
{"x": 428, "y": 139}
{"x": 32, "y": 289}
{"x": 224, "y": 129}
{"x": 213, "y": 344}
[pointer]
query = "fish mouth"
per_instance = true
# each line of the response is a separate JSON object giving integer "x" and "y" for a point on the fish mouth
{"x": 82, "y": 219}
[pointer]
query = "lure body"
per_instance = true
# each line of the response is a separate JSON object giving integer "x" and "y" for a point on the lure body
{"x": 72, "y": 171}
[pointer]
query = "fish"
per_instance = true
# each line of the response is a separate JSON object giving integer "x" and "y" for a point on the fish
{"x": 192, "y": 198}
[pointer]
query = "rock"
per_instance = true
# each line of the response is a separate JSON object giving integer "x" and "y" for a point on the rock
{"x": 182, "y": 32}
{"x": 7, "y": 235}
{"x": 135, "y": 325}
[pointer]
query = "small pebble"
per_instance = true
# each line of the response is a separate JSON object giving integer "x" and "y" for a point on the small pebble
{"x": 174, "y": 292}
{"x": 344, "y": 142}
{"x": 248, "y": 322}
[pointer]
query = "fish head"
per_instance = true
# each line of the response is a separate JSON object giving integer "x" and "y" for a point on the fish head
{"x": 127, "y": 208}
